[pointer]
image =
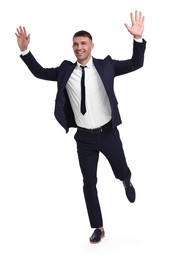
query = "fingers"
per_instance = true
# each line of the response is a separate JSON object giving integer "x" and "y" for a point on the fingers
{"x": 21, "y": 31}
{"x": 138, "y": 17}
{"x": 132, "y": 18}
{"x": 126, "y": 25}
{"x": 137, "y": 26}
{"x": 24, "y": 31}
{"x": 143, "y": 19}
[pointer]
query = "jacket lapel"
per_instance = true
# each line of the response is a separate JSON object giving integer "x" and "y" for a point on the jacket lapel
{"x": 104, "y": 75}
{"x": 63, "y": 81}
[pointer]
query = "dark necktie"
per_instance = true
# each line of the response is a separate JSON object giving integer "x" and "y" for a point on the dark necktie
{"x": 83, "y": 108}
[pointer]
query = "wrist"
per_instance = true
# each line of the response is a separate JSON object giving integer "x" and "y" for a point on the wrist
{"x": 137, "y": 37}
{"x": 23, "y": 48}
{"x": 24, "y": 52}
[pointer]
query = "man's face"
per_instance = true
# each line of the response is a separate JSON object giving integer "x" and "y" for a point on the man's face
{"x": 82, "y": 47}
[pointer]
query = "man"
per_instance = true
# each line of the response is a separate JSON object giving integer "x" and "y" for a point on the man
{"x": 86, "y": 100}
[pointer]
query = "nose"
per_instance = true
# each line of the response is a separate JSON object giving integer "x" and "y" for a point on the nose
{"x": 79, "y": 46}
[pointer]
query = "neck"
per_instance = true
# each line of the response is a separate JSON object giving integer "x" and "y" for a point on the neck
{"x": 84, "y": 62}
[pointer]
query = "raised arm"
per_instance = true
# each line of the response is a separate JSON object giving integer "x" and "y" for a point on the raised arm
{"x": 137, "y": 27}
{"x": 23, "y": 39}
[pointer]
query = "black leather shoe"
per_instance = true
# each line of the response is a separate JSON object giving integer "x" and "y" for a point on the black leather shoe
{"x": 130, "y": 191}
{"x": 97, "y": 236}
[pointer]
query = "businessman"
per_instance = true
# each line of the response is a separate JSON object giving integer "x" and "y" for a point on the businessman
{"x": 86, "y": 100}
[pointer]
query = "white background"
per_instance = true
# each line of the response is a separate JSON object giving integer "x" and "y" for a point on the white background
{"x": 42, "y": 209}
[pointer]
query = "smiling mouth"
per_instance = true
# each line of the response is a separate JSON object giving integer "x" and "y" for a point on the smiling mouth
{"x": 79, "y": 53}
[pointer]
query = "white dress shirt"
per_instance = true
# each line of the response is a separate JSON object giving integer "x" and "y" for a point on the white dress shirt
{"x": 98, "y": 110}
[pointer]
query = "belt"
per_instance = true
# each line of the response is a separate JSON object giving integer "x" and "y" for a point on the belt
{"x": 96, "y": 130}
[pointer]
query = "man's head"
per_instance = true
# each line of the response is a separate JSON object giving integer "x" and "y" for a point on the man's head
{"x": 82, "y": 46}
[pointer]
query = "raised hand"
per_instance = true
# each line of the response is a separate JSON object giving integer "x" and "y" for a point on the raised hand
{"x": 137, "y": 24}
{"x": 23, "y": 39}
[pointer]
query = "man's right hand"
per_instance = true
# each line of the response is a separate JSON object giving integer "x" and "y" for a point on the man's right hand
{"x": 23, "y": 39}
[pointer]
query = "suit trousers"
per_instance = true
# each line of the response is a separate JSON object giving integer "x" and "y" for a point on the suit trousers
{"x": 89, "y": 146}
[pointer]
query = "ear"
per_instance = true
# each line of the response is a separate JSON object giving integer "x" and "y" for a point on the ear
{"x": 92, "y": 46}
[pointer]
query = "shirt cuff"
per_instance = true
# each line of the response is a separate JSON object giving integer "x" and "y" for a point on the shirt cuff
{"x": 138, "y": 40}
{"x": 23, "y": 53}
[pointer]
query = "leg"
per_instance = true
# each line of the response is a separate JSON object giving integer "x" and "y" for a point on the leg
{"x": 88, "y": 158}
{"x": 111, "y": 146}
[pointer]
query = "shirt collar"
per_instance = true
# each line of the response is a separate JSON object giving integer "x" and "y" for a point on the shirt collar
{"x": 89, "y": 63}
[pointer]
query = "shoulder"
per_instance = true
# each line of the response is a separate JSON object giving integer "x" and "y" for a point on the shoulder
{"x": 107, "y": 58}
{"x": 67, "y": 63}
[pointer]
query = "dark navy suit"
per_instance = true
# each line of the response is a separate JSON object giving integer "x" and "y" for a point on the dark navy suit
{"x": 89, "y": 145}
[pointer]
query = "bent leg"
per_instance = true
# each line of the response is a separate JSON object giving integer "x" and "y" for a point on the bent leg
{"x": 111, "y": 147}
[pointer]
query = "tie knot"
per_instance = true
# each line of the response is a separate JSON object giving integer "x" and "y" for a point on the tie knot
{"x": 83, "y": 67}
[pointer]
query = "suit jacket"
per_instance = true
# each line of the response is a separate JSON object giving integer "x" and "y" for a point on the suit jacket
{"x": 107, "y": 68}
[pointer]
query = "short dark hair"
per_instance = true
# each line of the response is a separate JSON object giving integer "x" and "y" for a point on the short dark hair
{"x": 83, "y": 33}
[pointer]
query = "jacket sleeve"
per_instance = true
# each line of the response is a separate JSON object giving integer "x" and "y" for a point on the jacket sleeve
{"x": 37, "y": 70}
{"x": 137, "y": 60}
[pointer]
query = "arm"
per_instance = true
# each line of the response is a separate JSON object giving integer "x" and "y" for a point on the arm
{"x": 136, "y": 62}
{"x": 23, "y": 40}
{"x": 139, "y": 45}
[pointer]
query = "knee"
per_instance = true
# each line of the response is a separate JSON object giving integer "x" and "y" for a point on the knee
{"x": 89, "y": 184}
